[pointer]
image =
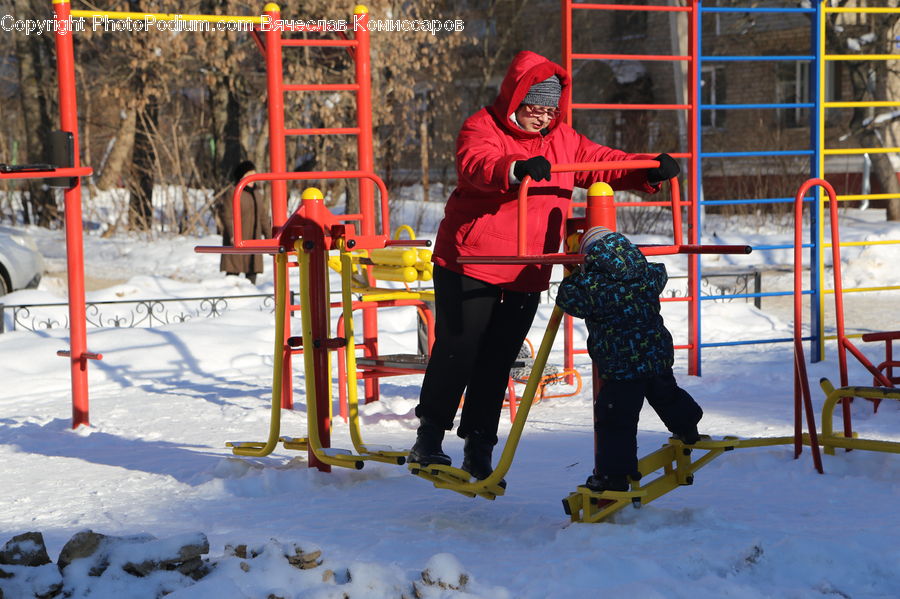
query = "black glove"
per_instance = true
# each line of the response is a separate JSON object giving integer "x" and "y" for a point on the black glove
{"x": 668, "y": 168}
{"x": 538, "y": 167}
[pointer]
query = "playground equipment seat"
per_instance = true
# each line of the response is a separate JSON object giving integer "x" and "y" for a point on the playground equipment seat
{"x": 887, "y": 366}
{"x": 551, "y": 376}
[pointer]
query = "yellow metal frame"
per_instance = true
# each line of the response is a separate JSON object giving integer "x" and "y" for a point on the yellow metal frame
{"x": 456, "y": 479}
{"x": 675, "y": 463}
{"x": 264, "y": 448}
{"x": 377, "y": 453}
{"x": 831, "y": 439}
{"x": 331, "y": 456}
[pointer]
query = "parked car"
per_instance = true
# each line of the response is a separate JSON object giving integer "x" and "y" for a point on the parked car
{"x": 21, "y": 264}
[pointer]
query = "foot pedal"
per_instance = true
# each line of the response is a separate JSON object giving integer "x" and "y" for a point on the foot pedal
{"x": 297, "y": 443}
{"x": 245, "y": 444}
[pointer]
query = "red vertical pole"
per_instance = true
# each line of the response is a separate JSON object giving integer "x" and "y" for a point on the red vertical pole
{"x": 278, "y": 164}
{"x": 314, "y": 243}
{"x": 365, "y": 157}
{"x": 568, "y": 321}
{"x": 567, "y": 51}
{"x": 600, "y": 212}
{"x": 68, "y": 116}
{"x": 693, "y": 195}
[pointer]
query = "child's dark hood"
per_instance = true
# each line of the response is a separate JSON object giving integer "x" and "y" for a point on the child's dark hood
{"x": 614, "y": 255}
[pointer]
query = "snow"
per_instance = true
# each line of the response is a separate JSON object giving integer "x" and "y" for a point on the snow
{"x": 165, "y": 400}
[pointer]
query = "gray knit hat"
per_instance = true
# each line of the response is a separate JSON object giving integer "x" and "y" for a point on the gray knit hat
{"x": 545, "y": 93}
{"x": 592, "y": 236}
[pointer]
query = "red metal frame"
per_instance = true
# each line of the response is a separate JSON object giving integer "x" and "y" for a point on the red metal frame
{"x": 887, "y": 367}
{"x": 567, "y": 8}
{"x": 68, "y": 115}
{"x": 802, "y": 395}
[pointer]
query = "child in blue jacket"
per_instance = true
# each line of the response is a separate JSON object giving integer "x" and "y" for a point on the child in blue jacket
{"x": 617, "y": 293}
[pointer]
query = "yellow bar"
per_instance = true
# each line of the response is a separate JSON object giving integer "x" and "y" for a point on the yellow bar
{"x": 820, "y": 195}
{"x": 256, "y": 449}
{"x": 852, "y": 243}
{"x": 142, "y": 16}
{"x": 867, "y": 196}
{"x": 862, "y": 57}
{"x": 864, "y": 289}
{"x": 861, "y": 9}
{"x": 833, "y": 151}
{"x": 871, "y": 104}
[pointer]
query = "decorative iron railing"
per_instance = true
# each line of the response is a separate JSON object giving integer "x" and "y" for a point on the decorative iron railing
{"x": 731, "y": 285}
{"x": 125, "y": 313}
{"x": 158, "y": 312}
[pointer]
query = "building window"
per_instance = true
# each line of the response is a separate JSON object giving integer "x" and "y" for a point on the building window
{"x": 792, "y": 87}
{"x": 712, "y": 91}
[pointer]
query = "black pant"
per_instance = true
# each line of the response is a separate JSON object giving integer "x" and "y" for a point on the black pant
{"x": 479, "y": 329}
{"x": 617, "y": 408}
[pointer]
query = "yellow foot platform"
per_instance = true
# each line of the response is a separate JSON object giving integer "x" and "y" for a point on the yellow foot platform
{"x": 448, "y": 477}
{"x": 666, "y": 469}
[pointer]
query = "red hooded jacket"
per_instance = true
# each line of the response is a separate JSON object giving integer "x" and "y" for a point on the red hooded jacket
{"x": 480, "y": 216}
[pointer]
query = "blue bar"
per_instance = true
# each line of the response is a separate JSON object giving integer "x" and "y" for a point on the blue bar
{"x": 751, "y": 201}
{"x": 752, "y": 342}
{"x": 815, "y": 314}
{"x": 743, "y": 106}
{"x": 712, "y": 58}
{"x": 770, "y": 10}
{"x": 757, "y": 153}
{"x": 752, "y": 295}
{"x": 786, "y": 246}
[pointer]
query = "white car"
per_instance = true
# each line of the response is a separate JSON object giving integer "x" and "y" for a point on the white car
{"x": 21, "y": 264}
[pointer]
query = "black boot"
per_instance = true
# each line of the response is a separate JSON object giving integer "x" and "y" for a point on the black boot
{"x": 607, "y": 482}
{"x": 427, "y": 448}
{"x": 477, "y": 457}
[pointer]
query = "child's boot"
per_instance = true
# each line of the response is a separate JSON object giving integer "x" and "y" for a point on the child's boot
{"x": 607, "y": 482}
{"x": 427, "y": 448}
{"x": 688, "y": 436}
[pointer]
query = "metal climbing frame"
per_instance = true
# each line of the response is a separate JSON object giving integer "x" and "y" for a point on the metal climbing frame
{"x": 817, "y": 59}
{"x": 824, "y": 57}
{"x": 689, "y": 202}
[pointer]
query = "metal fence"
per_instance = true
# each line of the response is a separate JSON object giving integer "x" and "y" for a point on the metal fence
{"x": 125, "y": 313}
{"x": 157, "y": 312}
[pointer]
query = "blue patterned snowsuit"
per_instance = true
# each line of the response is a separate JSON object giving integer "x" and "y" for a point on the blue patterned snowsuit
{"x": 617, "y": 293}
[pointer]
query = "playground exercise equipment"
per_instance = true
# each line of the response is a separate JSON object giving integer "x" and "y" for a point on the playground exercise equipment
{"x": 844, "y": 394}
{"x": 399, "y": 264}
{"x": 673, "y": 465}
{"x": 310, "y": 233}
{"x": 600, "y": 211}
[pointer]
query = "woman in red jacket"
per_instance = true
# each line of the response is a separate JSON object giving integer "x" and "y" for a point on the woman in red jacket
{"x": 484, "y": 311}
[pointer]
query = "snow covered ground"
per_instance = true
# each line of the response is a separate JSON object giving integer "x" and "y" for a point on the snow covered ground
{"x": 164, "y": 400}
